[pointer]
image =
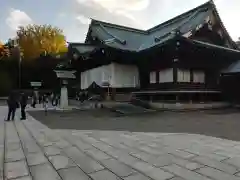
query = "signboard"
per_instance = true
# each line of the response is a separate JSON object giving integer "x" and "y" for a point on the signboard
{"x": 105, "y": 84}
{"x": 36, "y": 84}
{"x": 65, "y": 74}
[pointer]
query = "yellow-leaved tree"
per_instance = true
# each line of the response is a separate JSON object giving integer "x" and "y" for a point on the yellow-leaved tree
{"x": 4, "y": 51}
{"x": 36, "y": 40}
{"x": 1, "y": 50}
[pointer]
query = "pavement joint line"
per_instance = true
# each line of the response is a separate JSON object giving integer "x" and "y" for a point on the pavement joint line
{"x": 87, "y": 174}
{"x": 236, "y": 173}
{"x": 41, "y": 148}
{"x": 21, "y": 144}
{"x": 102, "y": 163}
{"x": 111, "y": 158}
{"x": 63, "y": 152}
{"x": 162, "y": 166}
{"x": 128, "y": 165}
{"x": 73, "y": 145}
{"x": 18, "y": 177}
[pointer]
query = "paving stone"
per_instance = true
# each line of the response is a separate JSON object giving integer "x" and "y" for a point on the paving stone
{"x": 74, "y": 173}
{"x": 233, "y": 161}
{"x": 184, "y": 173}
{"x": 216, "y": 174}
{"x": 36, "y": 159}
{"x": 44, "y": 171}
{"x": 51, "y": 151}
{"x": 216, "y": 164}
{"x": 182, "y": 154}
{"x": 116, "y": 153}
{"x": 62, "y": 144}
{"x": 31, "y": 147}
{"x": 187, "y": 164}
{"x": 16, "y": 169}
{"x": 163, "y": 160}
{"x": 151, "y": 150}
{"x": 77, "y": 142}
{"x": 104, "y": 175}
{"x": 102, "y": 147}
{"x": 13, "y": 146}
{"x": 238, "y": 174}
{"x": 143, "y": 156}
{"x": 24, "y": 178}
{"x": 207, "y": 154}
{"x": 61, "y": 162}
{"x": 150, "y": 171}
{"x": 87, "y": 164}
{"x": 137, "y": 177}
{"x": 16, "y": 155}
{"x": 47, "y": 143}
{"x": 97, "y": 154}
{"x": 177, "y": 178}
{"x": 126, "y": 158}
{"x": 118, "y": 168}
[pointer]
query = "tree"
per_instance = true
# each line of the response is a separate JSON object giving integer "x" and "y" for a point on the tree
{"x": 4, "y": 51}
{"x": 36, "y": 40}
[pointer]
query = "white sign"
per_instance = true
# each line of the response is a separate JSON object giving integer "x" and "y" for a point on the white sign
{"x": 66, "y": 74}
{"x": 36, "y": 84}
{"x": 105, "y": 84}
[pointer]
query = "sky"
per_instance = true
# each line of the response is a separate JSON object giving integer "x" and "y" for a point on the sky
{"x": 73, "y": 16}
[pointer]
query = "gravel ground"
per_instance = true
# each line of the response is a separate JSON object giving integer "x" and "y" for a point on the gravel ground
{"x": 217, "y": 123}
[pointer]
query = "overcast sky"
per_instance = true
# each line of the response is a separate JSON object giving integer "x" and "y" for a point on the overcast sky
{"x": 73, "y": 15}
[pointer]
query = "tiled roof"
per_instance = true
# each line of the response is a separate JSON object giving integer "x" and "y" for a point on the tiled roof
{"x": 82, "y": 48}
{"x": 130, "y": 39}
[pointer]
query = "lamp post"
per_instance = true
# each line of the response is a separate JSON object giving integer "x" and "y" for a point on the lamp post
{"x": 20, "y": 67}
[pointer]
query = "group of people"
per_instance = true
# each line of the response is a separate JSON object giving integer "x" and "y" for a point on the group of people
{"x": 82, "y": 96}
{"x": 16, "y": 100}
{"x": 13, "y": 102}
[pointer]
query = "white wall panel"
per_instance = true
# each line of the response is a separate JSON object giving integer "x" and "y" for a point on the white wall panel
{"x": 118, "y": 75}
{"x": 166, "y": 75}
{"x": 153, "y": 78}
{"x": 183, "y": 75}
{"x": 199, "y": 77}
{"x": 125, "y": 76}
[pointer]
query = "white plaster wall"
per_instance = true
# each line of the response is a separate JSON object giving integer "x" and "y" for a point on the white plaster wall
{"x": 125, "y": 76}
{"x": 153, "y": 78}
{"x": 99, "y": 74}
{"x": 183, "y": 75}
{"x": 199, "y": 76}
{"x": 119, "y": 76}
{"x": 166, "y": 75}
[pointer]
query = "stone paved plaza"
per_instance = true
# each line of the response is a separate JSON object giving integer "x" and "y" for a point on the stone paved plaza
{"x": 30, "y": 150}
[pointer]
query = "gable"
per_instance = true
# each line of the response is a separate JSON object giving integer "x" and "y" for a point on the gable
{"x": 130, "y": 39}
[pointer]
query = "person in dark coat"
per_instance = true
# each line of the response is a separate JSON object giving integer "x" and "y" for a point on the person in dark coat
{"x": 12, "y": 105}
{"x": 23, "y": 103}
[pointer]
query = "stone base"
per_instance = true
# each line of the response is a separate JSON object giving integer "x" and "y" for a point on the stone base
{"x": 64, "y": 98}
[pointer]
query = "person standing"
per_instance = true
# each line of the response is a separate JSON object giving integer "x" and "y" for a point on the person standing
{"x": 45, "y": 104}
{"x": 12, "y": 106}
{"x": 23, "y": 103}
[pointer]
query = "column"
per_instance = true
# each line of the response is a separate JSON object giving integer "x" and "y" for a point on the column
{"x": 64, "y": 95}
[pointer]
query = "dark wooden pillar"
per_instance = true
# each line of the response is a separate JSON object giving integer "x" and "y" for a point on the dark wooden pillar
{"x": 176, "y": 60}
